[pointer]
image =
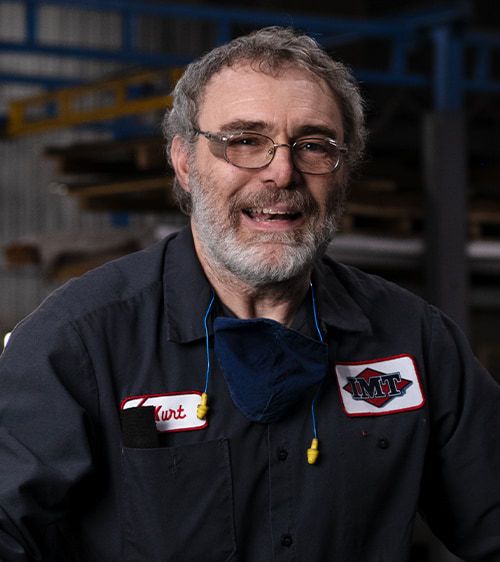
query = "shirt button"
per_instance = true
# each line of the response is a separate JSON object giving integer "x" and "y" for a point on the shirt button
{"x": 286, "y": 540}
{"x": 282, "y": 454}
{"x": 383, "y": 443}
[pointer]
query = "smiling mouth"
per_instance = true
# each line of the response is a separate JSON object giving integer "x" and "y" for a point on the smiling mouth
{"x": 265, "y": 214}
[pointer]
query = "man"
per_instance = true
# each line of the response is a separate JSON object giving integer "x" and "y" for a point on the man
{"x": 230, "y": 393}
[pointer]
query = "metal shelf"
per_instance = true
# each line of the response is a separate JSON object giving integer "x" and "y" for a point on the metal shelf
{"x": 439, "y": 33}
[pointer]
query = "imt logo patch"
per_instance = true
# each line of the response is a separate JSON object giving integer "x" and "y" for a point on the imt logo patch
{"x": 379, "y": 387}
{"x": 376, "y": 388}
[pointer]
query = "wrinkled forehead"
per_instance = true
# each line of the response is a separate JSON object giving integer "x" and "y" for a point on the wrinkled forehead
{"x": 273, "y": 67}
{"x": 290, "y": 96}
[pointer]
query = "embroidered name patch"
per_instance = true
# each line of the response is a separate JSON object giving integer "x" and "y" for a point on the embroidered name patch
{"x": 380, "y": 387}
{"x": 173, "y": 412}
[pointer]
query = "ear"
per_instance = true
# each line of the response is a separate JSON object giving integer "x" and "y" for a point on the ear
{"x": 180, "y": 156}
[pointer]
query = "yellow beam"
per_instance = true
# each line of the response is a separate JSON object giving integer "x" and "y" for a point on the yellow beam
{"x": 99, "y": 101}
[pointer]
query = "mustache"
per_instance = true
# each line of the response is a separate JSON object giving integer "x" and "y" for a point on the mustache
{"x": 295, "y": 199}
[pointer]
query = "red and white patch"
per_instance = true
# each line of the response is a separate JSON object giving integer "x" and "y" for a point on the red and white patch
{"x": 379, "y": 387}
{"x": 173, "y": 412}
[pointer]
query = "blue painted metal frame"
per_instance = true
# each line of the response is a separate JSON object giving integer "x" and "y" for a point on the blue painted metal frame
{"x": 406, "y": 33}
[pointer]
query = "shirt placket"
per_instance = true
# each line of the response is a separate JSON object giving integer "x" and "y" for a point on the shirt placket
{"x": 282, "y": 501}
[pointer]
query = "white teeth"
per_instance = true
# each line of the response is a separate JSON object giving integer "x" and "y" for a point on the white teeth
{"x": 268, "y": 212}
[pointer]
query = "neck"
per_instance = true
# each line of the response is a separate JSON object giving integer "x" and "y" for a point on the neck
{"x": 276, "y": 301}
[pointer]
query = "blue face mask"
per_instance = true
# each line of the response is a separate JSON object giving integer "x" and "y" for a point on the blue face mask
{"x": 267, "y": 366}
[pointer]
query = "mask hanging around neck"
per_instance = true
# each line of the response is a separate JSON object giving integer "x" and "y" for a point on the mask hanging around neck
{"x": 267, "y": 366}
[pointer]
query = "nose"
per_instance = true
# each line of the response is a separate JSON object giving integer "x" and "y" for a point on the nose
{"x": 281, "y": 169}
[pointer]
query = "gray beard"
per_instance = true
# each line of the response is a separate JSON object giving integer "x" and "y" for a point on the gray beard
{"x": 267, "y": 258}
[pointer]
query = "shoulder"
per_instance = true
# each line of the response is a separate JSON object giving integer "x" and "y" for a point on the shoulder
{"x": 118, "y": 281}
{"x": 370, "y": 290}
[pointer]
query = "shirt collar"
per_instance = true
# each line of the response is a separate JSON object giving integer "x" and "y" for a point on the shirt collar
{"x": 188, "y": 294}
{"x": 336, "y": 308}
{"x": 187, "y": 291}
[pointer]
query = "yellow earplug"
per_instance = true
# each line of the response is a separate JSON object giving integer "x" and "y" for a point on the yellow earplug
{"x": 312, "y": 453}
{"x": 202, "y": 407}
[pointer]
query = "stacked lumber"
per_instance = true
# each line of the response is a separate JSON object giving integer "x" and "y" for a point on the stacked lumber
{"x": 120, "y": 176}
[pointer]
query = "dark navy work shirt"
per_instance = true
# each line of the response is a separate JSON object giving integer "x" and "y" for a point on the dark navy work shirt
{"x": 406, "y": 419}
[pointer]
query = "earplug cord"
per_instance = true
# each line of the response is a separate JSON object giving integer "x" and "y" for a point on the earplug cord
{"x": 206, "y": 339}
{"x": 203, "y": 407}
{"x": 321, "y": 339}
{"x": 312, "y": 453}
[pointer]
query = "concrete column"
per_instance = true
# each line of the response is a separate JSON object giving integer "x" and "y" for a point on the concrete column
{"x": 445, "y": 171}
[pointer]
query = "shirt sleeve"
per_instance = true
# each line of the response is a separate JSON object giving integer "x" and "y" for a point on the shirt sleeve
{"x": 47, "y": 393}
{"x": 460, "y": 496}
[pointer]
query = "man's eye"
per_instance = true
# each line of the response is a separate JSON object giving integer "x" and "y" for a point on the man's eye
{"x": 246, "y": 141}
{"x": 311, "y": 146}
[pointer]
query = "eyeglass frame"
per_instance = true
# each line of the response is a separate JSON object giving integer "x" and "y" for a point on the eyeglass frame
{"x": 223, "y": 139}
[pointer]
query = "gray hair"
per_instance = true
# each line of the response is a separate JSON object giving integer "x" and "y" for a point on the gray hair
{"x": 270, "y": 50}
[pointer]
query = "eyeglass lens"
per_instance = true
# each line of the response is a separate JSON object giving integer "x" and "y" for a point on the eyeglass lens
{"x": 252, "y": 150}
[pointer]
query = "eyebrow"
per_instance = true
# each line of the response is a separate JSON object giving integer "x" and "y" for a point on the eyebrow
{"x": 261, "y": 127}
{"x": 243, "y": 125}
{"x": 311, "y": 130}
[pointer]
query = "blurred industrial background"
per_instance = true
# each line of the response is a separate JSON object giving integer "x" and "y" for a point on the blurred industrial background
{"x": 83, "y": 178}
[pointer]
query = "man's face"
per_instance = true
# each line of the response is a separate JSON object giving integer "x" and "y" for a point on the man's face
{"x": 265, "y": 225}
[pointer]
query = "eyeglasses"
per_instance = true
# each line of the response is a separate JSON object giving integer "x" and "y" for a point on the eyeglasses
{"x": 252, "y": 151}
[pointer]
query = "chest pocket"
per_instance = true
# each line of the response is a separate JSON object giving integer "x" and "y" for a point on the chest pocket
{"x": 178, "y": 503}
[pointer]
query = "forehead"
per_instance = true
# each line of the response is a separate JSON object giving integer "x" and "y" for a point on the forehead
{"x": 292, "y": 100}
